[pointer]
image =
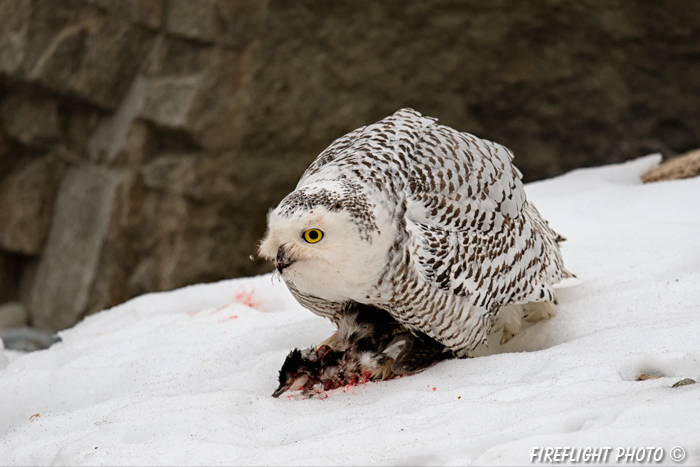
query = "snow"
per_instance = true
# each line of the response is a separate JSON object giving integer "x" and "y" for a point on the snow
{"x": 185, "y": 377}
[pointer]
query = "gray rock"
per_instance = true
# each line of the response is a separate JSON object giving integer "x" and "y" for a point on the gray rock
{"x": 683, "y": 382}
{"x": 13, "y": 314}
{"x": 169, "y": 101}
{"x": 196, "y": 87}
{"x": 27, "y": 339}
{"x": 26, "y": 204}
{"x": 72, "y": 47}
{"x": 117, "y": 138}
{"x": 65, "y": 274}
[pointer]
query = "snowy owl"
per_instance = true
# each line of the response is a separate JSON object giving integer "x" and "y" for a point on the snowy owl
{"x": 420, "y": 220}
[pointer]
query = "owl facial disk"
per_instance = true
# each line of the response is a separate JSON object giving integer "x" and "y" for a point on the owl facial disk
{"x": 294, "y": 239}
{"x": 324, "y": 244}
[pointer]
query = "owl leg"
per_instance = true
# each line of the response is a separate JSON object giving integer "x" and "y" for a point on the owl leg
{"x": 333, "y": 341}
{"x": 384, "y": 371}
{"x": 538, "y": 311}
{"x": 510, "y": 318}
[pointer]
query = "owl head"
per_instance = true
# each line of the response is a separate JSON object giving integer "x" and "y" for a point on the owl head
{"x": 328, "y": 240}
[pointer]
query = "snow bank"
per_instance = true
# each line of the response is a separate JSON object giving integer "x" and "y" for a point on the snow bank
{"x": 185, "y": 377}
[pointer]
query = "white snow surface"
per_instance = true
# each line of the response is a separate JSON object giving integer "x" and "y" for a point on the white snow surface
{"x": 185, "y": 377}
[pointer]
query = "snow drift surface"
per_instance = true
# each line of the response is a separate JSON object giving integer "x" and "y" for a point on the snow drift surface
{"x": 185, "y": 377}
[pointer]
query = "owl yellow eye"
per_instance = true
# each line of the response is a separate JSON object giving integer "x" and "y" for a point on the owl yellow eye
{"x": 312, "y": 235}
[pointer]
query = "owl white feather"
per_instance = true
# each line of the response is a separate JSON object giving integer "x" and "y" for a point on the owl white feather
{"x": 423, "y": 221}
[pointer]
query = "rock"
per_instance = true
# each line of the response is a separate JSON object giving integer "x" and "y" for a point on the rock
{"x": 122, "y": 245}
{"x": 173, "y": 173}
{"x": 225, "y": 22}
{"x": 169, "y": 102}
{"x": 145, "y": 12}
{"x": 26, "y": 204}
{"x": 5, "y": 159}
{"x": 190, "y": 174}
{"x": 160, "y": 243}
{"x": 65, "y": 274}
{"x": 13, "y": 314}
{"x": 72, "y": 47}
{"x": 10, "y": 266}
{"x": 27, "y": 273}
{"x": 195, "y": 88}
{"x": 16, "y": 16}
{"x": 683, "y": 382}
{"x": 27, "y": 339}
{"x": 683, "y": 166}
{"x": 134, "y": 149}
{"x": 194, "y": 20}
{"x": 31, "y": 120}
{"x": 118, "y": 139}
{"x": 241, "y": 22}
{"x": 646, "y": 377}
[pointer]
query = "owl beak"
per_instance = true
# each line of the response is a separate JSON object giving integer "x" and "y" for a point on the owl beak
{"x": 282, "y": 261}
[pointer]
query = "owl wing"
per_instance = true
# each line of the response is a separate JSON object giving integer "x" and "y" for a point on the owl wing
{"x": 470, "y": 232}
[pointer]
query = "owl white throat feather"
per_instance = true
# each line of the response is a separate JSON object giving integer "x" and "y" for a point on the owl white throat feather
{"x": 420, "y": 220}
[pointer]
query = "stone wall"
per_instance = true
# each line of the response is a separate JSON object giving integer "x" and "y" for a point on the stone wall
{"x": 143, "y": 141}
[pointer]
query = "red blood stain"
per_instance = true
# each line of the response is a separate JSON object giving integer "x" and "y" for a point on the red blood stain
{"x": 245, "y": 297}
{"x": 228, "y": 318}
{"x": 434, "y": 389}
{"x": 210, "y": 312}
